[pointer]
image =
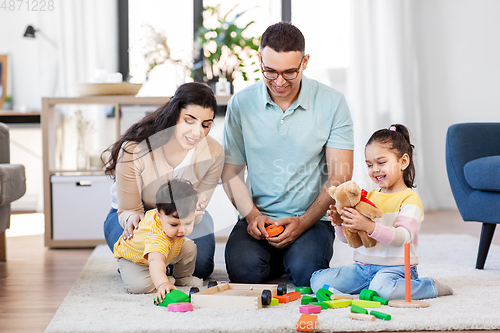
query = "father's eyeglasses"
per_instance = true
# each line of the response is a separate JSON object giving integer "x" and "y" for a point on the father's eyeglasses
{"x": 289, "y": 74}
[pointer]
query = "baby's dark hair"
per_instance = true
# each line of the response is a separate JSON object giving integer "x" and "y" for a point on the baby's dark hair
{"x": 177, "y": 197}
{"x": 397, "y": 139}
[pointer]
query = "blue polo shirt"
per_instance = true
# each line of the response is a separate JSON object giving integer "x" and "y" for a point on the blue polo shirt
{"x": 285, "y": 151}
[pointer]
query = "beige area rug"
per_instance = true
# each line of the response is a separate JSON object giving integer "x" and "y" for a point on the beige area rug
{"x": 98, "y": 303}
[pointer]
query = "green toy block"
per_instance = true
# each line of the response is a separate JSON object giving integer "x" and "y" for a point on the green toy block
{"x": 339, "y": 303}
{"x": 304, "y": 290}
{"x": 380, "y": 315}
{"x": 358, "y": 309}
{"x": 371, "y": 295}
{"x": 174, "y": 296}
{"x": 307, "y": 299}
{"x": 323, "y": 295}
{"x": 274, "y": 301}
{"x": 323, "y": 305}
{"x": 366, "y": 304}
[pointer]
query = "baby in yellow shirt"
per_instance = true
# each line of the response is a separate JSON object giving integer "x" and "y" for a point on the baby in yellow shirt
{"x": 159, "y": 241}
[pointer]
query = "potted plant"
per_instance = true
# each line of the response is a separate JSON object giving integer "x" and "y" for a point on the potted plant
{"x": 7, "y": 102}
{"x": 227, "y": 52}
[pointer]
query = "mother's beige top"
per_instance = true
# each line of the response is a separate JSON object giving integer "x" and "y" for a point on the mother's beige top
{"x": 139, "y": 175}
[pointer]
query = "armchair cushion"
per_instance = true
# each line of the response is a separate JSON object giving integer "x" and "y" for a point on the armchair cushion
{"x": 483, "y": 174}
{"x": 12, "y": 183}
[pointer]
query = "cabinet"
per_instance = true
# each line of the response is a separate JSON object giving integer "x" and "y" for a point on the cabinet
{"x": 75, "y": 131}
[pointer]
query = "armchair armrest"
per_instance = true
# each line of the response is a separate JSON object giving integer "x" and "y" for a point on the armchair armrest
{"x": 12, "y": 183}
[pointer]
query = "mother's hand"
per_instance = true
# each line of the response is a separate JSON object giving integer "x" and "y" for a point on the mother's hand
{"x": 131, "y": 224}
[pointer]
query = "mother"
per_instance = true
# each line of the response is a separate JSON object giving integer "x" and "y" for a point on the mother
{"x": 170, "y": 142}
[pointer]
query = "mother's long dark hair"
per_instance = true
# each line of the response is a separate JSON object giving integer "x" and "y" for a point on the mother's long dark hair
{"x": 164, "y": 117}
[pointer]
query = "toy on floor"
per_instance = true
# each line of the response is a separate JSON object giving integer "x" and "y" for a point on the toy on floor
{"x": 180, "y": 307}
{"x": 371, "y": 295}
{"x": 408, "y": 302}
{"x": 349, "y": 194}
{"x": 237, "y": 296}
{"x": 174, "y": 296}
{"x": 306, "y": 323}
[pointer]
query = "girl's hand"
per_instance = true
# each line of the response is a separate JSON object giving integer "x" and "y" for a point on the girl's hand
{"x": 131, "y": 224}
{"x": 334, "y": 217}
{"x": 165, "y": 287}
{"x": 355, "y": 220}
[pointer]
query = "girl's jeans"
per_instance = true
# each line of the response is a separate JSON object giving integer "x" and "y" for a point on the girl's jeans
{"x": 202, "y": 235}
{"x": 387, "y": 281}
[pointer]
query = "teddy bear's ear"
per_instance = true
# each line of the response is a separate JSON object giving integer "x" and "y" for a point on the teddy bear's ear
{"x": 331, "y": 191}
{"x": 354, "y": 189}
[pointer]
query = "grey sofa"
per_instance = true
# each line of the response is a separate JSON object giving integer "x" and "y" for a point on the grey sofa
{"x": 12, "y": 185}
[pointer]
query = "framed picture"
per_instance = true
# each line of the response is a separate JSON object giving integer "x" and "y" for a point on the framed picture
{"x": 3, "y": 78}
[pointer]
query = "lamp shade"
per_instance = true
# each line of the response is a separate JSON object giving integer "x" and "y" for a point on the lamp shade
{"x": 30, "y": 32}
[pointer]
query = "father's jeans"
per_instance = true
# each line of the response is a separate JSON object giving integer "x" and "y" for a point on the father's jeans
{"x": 387, "y": 281}
{"x": 249, "y": 260}
{"x": 202, "y": 235}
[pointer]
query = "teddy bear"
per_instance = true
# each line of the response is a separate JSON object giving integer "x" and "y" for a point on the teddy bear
{"x": 349, "y": 194}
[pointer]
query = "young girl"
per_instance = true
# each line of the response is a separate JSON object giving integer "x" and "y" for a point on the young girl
{"x": 389, "y": 157}
{"x": 159, "y": 241}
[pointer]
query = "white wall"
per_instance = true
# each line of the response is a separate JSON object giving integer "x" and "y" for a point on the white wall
{"x": 24, "y": 80}
{"x": 459, "y": 52}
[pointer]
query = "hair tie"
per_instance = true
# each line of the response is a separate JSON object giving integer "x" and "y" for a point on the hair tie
{"x": 392, "y": 128}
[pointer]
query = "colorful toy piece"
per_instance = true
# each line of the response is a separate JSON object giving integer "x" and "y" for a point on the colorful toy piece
{"x": 274, "y": 230}
{"x": 304, "y": 290}
{"x": 323, "y": 295}
{"x": 380, "y": 315}
{"x": 307, "y": 300}
{"x": 274, "y": 302}
{"x": 358, "y": 309}
{"x": 371, "y": 295}
{"x": 306, "y": 323}
{"x": 366, "y": 304}
{"x": 407, "y": 302}
{"x": 180, "y": 307}
{"x": 323, "y": 305}
{"x": 174, "y": 296}
{"x": 362, "y": 316}
{"x": 310, "y": 309}
{"x": 339, "y": 303}
{"x": 288, "y": 297}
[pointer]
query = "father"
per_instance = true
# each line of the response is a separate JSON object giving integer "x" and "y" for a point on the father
{"x": 295, "y": 136}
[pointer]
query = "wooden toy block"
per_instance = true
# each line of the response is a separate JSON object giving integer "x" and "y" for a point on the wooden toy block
{"x": 180, "y": 307}
{"x": 235, "y": 296}
{"x": 380, "y": 315}
{"x": 307, "y": 299}
{"x": 323, "y": 294}
{"x": 174, "y": 296}
{"x": 333, "y": 297}
{"x": 304, "y": 290}
{"x": 339, "y": 303}
{"x": 310, "y": 309}
{"x": 358, "y": 309}
{"x": 362, "y": 316}
{"x": 288, "y": 297}
{"x": 366, "y": 304}
{"x": 371, "y": 295}
{"x": 306, "y": 323}
{"x": 274, "y": 302}
{"x": 325, "y": 286}
{"x": 323, "y": 305}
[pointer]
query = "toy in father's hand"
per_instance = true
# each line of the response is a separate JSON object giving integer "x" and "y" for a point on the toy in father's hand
{"x": 349, "y": 194}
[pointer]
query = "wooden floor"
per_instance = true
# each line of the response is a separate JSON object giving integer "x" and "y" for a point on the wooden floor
{"x": 35, "y": 280}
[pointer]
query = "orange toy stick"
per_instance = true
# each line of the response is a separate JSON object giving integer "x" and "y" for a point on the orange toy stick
{"x": 407, "y": 273}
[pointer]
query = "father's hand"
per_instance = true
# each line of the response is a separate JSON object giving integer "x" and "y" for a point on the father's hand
{"x": 257, "y": 226}
{"x": 293, "y": 229}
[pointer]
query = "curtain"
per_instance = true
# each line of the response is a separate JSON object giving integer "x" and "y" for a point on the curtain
{"x": 382, "y": 80}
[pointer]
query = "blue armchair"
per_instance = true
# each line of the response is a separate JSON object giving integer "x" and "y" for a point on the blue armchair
{"x": 473, "y": 165}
